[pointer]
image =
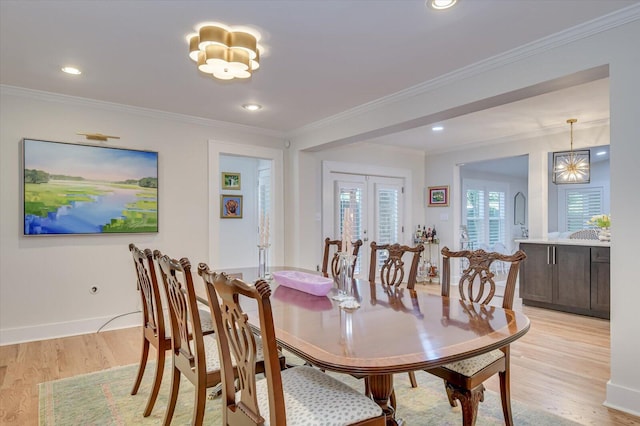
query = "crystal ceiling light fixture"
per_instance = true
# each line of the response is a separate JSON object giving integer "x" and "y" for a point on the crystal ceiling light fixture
{"x": 571, "y": 166}
{"x": 224, "y": 52}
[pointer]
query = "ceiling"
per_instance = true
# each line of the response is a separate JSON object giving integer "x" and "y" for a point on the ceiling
{"x": 321, "y": 58}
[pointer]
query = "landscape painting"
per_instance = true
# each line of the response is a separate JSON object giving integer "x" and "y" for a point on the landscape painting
{"x": 88, "y": 189}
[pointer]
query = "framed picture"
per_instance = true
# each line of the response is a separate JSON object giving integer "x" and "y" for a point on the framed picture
{"x": 230, "y": 180}
{"x": 438, "y": 196}
{"x": 231, "y": 206}
{"x": 88, "y": 189}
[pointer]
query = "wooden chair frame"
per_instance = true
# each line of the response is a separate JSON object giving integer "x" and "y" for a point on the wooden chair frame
{"x": 470, "y": 389}
{"x": 183, "y": 310}
{"x": 328, "y": 243}
{"x": 153, "y": 325}
{"x": 230, "y": 318}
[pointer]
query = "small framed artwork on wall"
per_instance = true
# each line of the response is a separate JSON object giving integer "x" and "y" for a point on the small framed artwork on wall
{"x": 438, "y": 196}
{"x": 230, "y": 180}
{"x": 231, "y": 206}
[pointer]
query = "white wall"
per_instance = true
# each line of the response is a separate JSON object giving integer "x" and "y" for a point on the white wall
{"x": 45, "y": 281}
{"x": 239, "y": 236}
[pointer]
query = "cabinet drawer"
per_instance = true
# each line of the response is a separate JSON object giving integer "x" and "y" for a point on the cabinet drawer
{"x": 600, "y": 254}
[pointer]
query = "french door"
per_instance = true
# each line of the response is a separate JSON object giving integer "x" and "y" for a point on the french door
{"x": 376, "y": 203}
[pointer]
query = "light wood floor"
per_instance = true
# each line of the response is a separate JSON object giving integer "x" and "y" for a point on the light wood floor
{"x": 561, "y": 365}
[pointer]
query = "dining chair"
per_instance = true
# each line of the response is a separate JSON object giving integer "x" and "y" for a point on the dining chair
{"x": 296, "y": 396}
{"x": 335, "y": 246}
{"x": 156, "y": 328}
{"x": 464, "y": 379}
{"x": 392, "y": 274}
{"x": 154, "y": 332}
{"x": 194, "y": 355}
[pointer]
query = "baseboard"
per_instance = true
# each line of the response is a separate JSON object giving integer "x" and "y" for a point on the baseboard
{"x": 10, "y": 336}
{"x": 623, "y": 399}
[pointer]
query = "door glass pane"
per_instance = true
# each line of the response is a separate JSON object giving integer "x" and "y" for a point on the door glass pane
{"x": 350, "y": 196}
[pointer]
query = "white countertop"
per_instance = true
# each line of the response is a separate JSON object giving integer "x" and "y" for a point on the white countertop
{"x": 566, "y": 241}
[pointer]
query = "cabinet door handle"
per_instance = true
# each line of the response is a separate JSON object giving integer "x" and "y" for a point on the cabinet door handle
{"x": 548, "y": 255}
{"x": 554, "y": 255}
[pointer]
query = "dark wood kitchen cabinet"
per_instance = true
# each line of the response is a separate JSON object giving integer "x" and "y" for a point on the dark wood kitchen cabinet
{"x": 565, "y": 277}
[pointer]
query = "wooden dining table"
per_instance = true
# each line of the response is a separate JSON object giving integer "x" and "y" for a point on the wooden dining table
{"x": 391, "y": 332}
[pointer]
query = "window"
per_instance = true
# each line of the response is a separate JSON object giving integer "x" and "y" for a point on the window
{"x": 580, "y": 204}
{"x": 485, "y": 212}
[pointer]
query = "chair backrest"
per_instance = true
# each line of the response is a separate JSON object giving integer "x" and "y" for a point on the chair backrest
{"x": 392, "y": 271}
{"x": 147, "y": 280}
{"x": 336, "y": 246}
{"x": 235, "y": 338}
{"x": 476, "y": 280}
{"x": 184, "y": 314}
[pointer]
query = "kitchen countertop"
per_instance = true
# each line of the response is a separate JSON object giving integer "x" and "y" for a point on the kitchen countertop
{"x": 566, "y": 241}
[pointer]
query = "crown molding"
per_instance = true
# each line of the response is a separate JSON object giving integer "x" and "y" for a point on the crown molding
{"x": 128, "y": 109}
{"x": 584, "y": 30}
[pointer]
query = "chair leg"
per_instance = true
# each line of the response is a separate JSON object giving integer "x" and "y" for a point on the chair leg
{"x": 412, "y": 379}
{"x": 367, "y": 389}
{"x": 143, "y": 364}
{"x": 173, "y": 396}
{"x": 201, "y": 398}
{"x": 157, "y": 381}
{"x": 449, "y": 390}
{"x": 469, "y": 400}
{"x": 505, "y": 395}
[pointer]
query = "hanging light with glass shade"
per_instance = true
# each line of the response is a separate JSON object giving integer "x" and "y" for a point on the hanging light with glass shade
{"x": 571, "y": 166}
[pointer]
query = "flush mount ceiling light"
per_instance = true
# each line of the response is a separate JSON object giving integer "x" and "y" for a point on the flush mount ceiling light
{"x": 441, "y": 4}
{"x": 252, "y": 107}
{"x": 71, "y": 70}
{"x": 437, "y": 128}
{"x": 224, "y": 52}
{"x": 571, "y": 166}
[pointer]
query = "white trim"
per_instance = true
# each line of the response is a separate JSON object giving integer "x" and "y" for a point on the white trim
{"x": 570, "y": 35}
{"x": 10, "y": 336}
{"x": 628, "y": 399}
{"x": 217, "y": 148}
{"x": 128, "y": 109}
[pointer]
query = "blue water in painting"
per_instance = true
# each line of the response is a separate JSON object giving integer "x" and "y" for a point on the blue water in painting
{"x": 82, "y": 217}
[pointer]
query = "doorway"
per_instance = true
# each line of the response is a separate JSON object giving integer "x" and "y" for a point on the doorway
{"x": 378, "y": 203}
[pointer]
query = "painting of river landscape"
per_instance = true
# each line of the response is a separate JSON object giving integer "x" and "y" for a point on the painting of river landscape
{"x": 88, "y": 189}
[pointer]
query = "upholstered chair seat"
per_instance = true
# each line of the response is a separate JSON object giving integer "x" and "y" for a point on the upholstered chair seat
{"x": 313, "y": 398}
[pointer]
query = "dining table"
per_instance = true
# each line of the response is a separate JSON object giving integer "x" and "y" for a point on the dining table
{"x": 392, "y": 331}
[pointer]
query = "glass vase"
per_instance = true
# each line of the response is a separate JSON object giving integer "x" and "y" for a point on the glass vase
{"x": 345, "y": 275}
{"x": 604, "y": 234}
{"x": 263, "y": 262}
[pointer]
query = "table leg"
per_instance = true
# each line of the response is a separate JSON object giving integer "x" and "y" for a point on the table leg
{"x": 381, "y": 387}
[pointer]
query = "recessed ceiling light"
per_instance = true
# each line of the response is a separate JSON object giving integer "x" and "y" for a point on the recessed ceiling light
{"x": 441, "y": 4}
{"x": 601, "y": 153}
{"x": 71, "y": 70}
{"x": 252, "y": 107}
{"x": 437, "y": 128}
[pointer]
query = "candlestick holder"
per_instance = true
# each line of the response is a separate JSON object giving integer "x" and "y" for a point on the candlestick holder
{"x": 263, "y": 261}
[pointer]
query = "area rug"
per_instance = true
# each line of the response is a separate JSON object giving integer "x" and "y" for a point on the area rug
{"x": 103, "y": 398}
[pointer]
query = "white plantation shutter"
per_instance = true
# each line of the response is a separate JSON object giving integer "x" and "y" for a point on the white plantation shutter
{"x": 486, "y": 212}
{"x": 350, "y": 196}
{"x": 497, "y": 217}
{"x": 580, "y": 205}
{"x": 387, "y": 211}
{"x": 475, "y": 216}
